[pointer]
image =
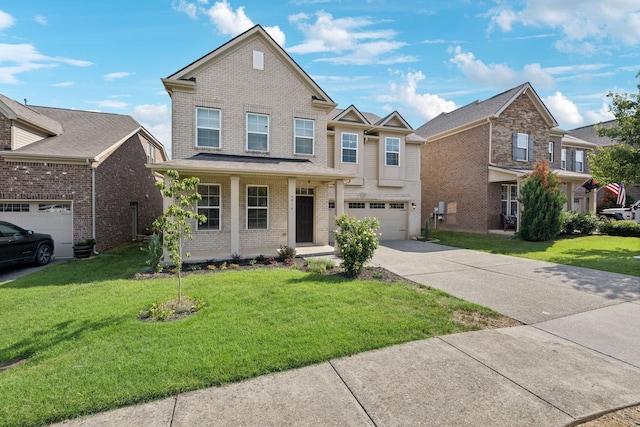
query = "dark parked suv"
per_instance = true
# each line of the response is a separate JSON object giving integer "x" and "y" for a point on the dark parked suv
{"x": 18, "y": 245}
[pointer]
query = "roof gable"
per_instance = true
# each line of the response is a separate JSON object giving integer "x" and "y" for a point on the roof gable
{"x": 480, "y": 111}
{"x": 394, "y": 120}
{"x": 184, "y": 77}
{"x": 15, "y": 111}
{"x": 350, "y": 115}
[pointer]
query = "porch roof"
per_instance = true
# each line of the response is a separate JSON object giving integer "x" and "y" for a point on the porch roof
{"x": 226, "y": 164}
{"x": 502, "y": 174}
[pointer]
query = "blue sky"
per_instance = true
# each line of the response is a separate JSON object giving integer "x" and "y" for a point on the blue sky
{"x": 418, "y": 57}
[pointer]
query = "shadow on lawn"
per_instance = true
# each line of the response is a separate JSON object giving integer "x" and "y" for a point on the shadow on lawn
{"x": 605, "y": 283}
{"x": 54, "y": 335}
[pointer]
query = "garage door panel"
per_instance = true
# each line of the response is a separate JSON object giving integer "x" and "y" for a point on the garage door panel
{"x": 392, "y": 216}
{"x": 49, "y": 218}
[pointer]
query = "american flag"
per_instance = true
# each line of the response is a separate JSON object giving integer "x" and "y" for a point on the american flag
{"x": 618, "y": 190}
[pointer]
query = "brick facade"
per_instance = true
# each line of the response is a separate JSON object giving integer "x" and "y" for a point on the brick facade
{"x": 460, "y": 181}
{"x": 121, "y": 180}
{"x": 5, "y": 133}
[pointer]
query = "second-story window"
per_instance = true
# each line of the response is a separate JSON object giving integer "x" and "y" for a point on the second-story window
{"x": 550, "y": 152}
{"x": 563, "y": 159}
{"x": 304, "y": 133}
{"x": 349, "y": 147}
{"x": 392, "y": 151}
{"x": 208, "y": 127}
{"x": 579, "y": 162}
{"x": 151, "y": 153}
{"x": 257, "y": 132}
{"x": 522, "y": 147}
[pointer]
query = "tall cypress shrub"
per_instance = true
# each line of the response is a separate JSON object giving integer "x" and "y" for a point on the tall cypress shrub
{"x": 542, "y": 200}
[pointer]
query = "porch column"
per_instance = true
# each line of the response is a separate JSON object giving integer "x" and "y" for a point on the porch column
{"x": 235, "y": 214}
{"x": 291, "y": 213}
{"x": 339, "y": 197}
{"x": 569, "y": 206}
{"x": 593, "y": 201}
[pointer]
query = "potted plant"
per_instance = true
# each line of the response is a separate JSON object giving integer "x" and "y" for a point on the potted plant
{"x": 83, "y": 248}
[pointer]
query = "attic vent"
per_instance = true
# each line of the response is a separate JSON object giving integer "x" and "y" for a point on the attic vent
{"x": 258, "y": 60}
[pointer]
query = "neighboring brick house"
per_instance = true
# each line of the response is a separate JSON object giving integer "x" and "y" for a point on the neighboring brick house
{"x": 477, "y": 157}
{"x": 77, "y": 174}
{"x": 589, "y": 133}
{"x": 254, "y": 128}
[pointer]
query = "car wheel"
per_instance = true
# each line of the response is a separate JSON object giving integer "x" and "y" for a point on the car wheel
{"x": 43, "y": 256}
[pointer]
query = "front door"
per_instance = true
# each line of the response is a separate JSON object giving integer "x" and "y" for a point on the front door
{"x": 304, "y": 219}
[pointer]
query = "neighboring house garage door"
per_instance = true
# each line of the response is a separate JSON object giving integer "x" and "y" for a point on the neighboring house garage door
{"x": 392, "y": 215}
{"x": 48, "y": 217}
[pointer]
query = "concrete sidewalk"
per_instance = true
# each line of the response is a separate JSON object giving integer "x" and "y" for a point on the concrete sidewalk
{"x": 576, "y": 357}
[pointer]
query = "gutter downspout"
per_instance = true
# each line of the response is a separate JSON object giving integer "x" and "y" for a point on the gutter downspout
{"x": 93, "y": 204}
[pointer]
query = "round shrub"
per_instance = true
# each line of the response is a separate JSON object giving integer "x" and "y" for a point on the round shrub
{"x": 356, "y": 240}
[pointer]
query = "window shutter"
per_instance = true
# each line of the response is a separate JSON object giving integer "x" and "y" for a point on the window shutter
{"x": 514, "y": 145}
{"x": 531, "y": 144}
{"x": 573, "y": 161}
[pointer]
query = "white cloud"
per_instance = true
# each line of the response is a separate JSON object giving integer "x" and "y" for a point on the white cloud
{"x": 190, "y": 9}
{"x": 227, "y": 21}
{"x": 499, "y": 75}
{"x": 6, "y": 20}
{"x": 601, "y": 115}
{"x": 63, "y": 84}
{"x": 583, "y": 23}
{"x": 40, "y": 19}
{"x": 348, "y": 38}
{"x": 563, "y": 109}
{"x": 157, "y": 120}
{"x": 113, "y": 76}
{"x": 424, "y": 105}
{"x": 108, "y": 103}
{"x": 25, "y": 57}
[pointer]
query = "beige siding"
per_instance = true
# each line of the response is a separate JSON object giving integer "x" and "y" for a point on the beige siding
{"x": 412, "y": 163}
{"x": 371, "y": 160}
{"x": 23, "y": 137}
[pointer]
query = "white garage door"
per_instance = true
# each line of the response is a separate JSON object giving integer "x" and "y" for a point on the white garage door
{"x": 392, "y": 216}
{"x": 48, "y": 217}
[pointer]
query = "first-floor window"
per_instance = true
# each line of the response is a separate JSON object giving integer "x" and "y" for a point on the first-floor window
{"x": 257, "y": 207}
{"x": 209, "y": 206}
{"x": 510, "y": 199}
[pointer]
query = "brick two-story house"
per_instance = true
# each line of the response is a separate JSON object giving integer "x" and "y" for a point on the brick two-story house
{"x": 476, "y": 158}
{"x": 77, "y": 174}
{"x": 259, "y": 134}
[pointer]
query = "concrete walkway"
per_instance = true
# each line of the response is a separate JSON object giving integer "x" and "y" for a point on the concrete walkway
{"x": 577, "y": 356}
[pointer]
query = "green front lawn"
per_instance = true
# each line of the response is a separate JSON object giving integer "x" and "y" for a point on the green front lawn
{"x": 607, "y": 253}
{"x": 75, "y": 324}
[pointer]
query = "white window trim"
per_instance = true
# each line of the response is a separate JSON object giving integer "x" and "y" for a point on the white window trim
{"x": 581, "y": 163}
{"x": 255, "y": 207}
{"x": 342, "y": 148}
{"x": 257, "y": 133}
{"x": 313, "y": 137}
{"x": 519, "y": 138}
{"x": 219, "y": 128}
{"x": 219, "y": 208}
{"x": 551, "y": 147}
{"x": 563, "y": 159}
{"x": 387, "y": 151}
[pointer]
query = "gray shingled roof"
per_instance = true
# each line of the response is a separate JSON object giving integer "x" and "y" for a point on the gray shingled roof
{"x": 272, "y": 166}
{"x": 28, "y": 114}
{"x": 588, "y": 133}
{"x": 469, "y": 113}
{"x": 86, "y": 134}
